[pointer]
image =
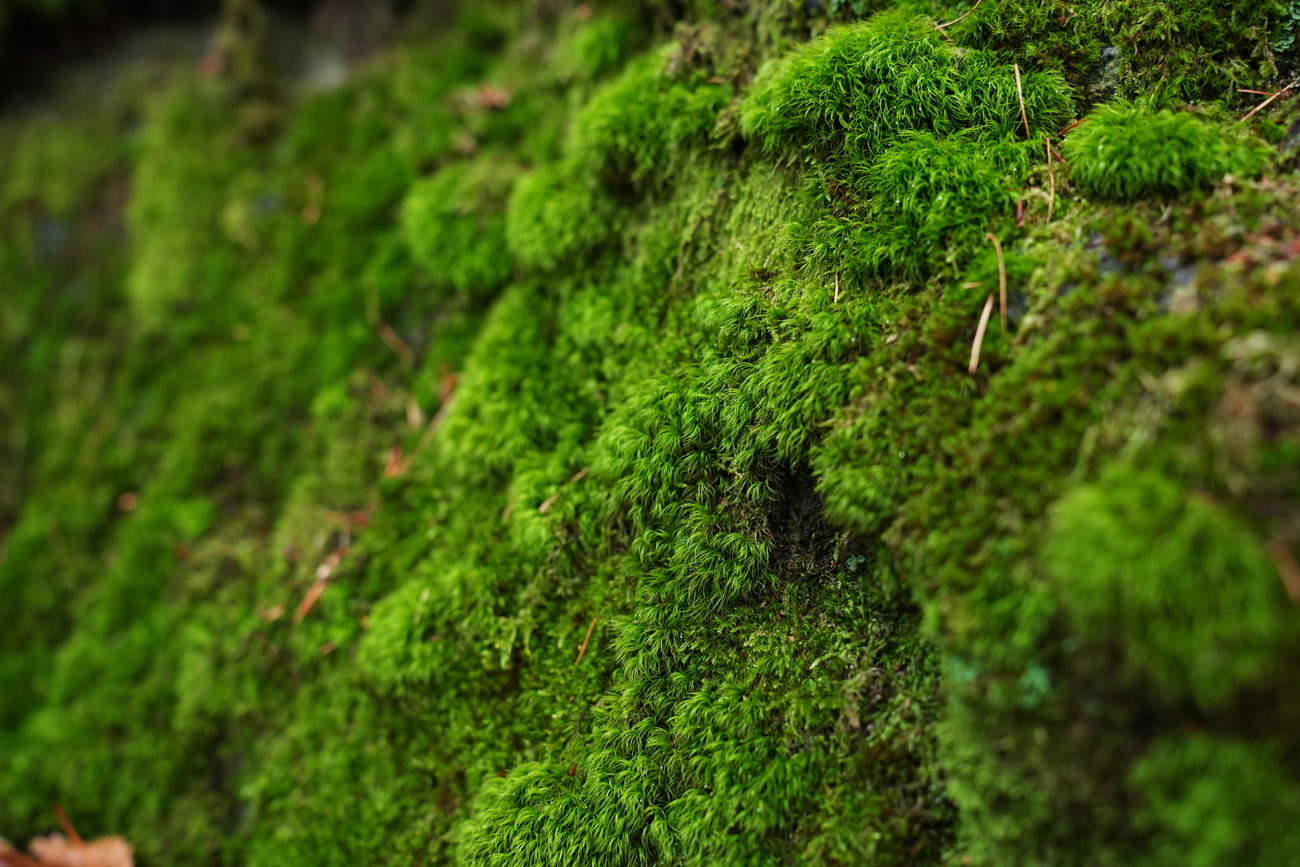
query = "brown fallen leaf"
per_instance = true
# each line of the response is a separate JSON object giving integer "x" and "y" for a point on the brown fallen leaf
{"x": 56, "y": 850}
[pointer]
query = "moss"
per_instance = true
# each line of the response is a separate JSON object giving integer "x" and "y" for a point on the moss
{"x": 556, "y": 212}
{"x": 455, "y": 225}
{"x": 1128, "y": 151}
{"x": 1193, "y": 609}
{"x": 857, "y": 88}
{"x": 514, "y": 458}
{"x": 1169, "y": 50}
{"x": 1212, "y": 800}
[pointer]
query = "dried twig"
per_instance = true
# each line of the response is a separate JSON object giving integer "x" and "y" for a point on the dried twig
{"x": 837, "y": 290}
{"x": 1002, "y": 279}
{"x": 1020, "y": 94}
{"x": 582, "y": 649}
{"x": 978, "y": 343}
{"x": 324, "y": 572}
{"x": 960, "y": 17}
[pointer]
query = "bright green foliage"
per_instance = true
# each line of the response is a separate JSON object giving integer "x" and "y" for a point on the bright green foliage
{"x": 1169, "y": 50}
{"x": 557, "y": 212}
{"x": 1187, "y": 604}
{"x": 634, "y": 125}
{"x": 1128, "y": 151}
{"x": 455, "y": 225}
{"x": 610, "y": 367}
{"x": 928, "y": 194}
{"x": 1216, "y": 801}
{"x": 857, "y": 88}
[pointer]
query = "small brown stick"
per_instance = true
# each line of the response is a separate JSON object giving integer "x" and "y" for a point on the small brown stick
{"x": 396, "y": 343}
{"x": 837, "y": 290}
{"x": 960, "y": 17}
{"x": 978, "y": 343}
{"x": 583, "y": 647}
{"x": 1256, "y": 92}
{"x": 1051, "y": 180}
{"x": 1002, "y": 279}
{"x": 1263, "y": 105}
{"x": 1020, "y": 94}
{"x": 68, "y": 827}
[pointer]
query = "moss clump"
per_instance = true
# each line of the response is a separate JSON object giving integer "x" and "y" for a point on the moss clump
{"x": 1169, "y": 50}
{"x": 856, "y": 89}
{"x": 1213, "y": 800}
{"x": 1169, "y": 584}
{"x": 635, "y": 125}
{"x": 455, "y": 225}
{"x": 1129, "y": 150}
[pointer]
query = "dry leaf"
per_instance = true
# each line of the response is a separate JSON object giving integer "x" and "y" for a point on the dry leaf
{"x": 57, "y": 851}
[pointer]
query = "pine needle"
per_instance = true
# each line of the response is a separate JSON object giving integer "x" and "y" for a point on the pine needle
{"x": 1002, "y": 279}
{"x": 1020, "y": 94}
{"x": 583, "y": 647}
{"x": 1265, "y": 104}
{"x": 396, "y": 343}
{"x": 978, "y": 343}
{"x": 960, "y": 17}
{"x": 1051, "y": 181}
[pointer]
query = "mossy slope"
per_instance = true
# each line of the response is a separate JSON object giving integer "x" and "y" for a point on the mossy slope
{"x": 602, "y": 373}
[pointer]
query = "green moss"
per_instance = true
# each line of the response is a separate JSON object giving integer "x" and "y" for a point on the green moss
{"x": 455, "y": 225}
{"x": 1128, "y": 151}
{"x": 1169, "y": 50}
{"x": 556, "y": 212}
{"x": 1185, "y": 599}
{"x": 615, "y": 411}
{"x": 635, "y": 125}
{"x": 855, "y": 90}
{"x": 1212, "y": 800}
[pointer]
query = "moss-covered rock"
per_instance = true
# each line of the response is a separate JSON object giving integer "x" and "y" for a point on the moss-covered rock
{"x": 568, "y": 442}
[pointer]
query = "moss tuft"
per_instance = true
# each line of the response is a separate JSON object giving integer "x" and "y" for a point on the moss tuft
{"x": 1128, "y": 151}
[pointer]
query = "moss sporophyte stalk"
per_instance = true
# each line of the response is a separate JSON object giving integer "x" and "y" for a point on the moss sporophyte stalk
{"x": 645, "y": 433}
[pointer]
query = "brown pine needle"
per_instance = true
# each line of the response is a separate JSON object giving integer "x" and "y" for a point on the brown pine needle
{"x": 1063, "y": 130}
{"x": 396, "y": 343}
{"x": 68, "y": 827}
{"x": 1002, "y": 279}
{"x": 583, "y": 647}
{"x": 1020, "y": 94}
{"x": 837, "y": 290}
{"x": 1287, "y": 567}
{"x": 1265, "y": 104}
{"x": 960, "y": 17}
{"x": 553, "y": 498}
{"x": 1051, "y": 180}
{"x": 978, "y": 343}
